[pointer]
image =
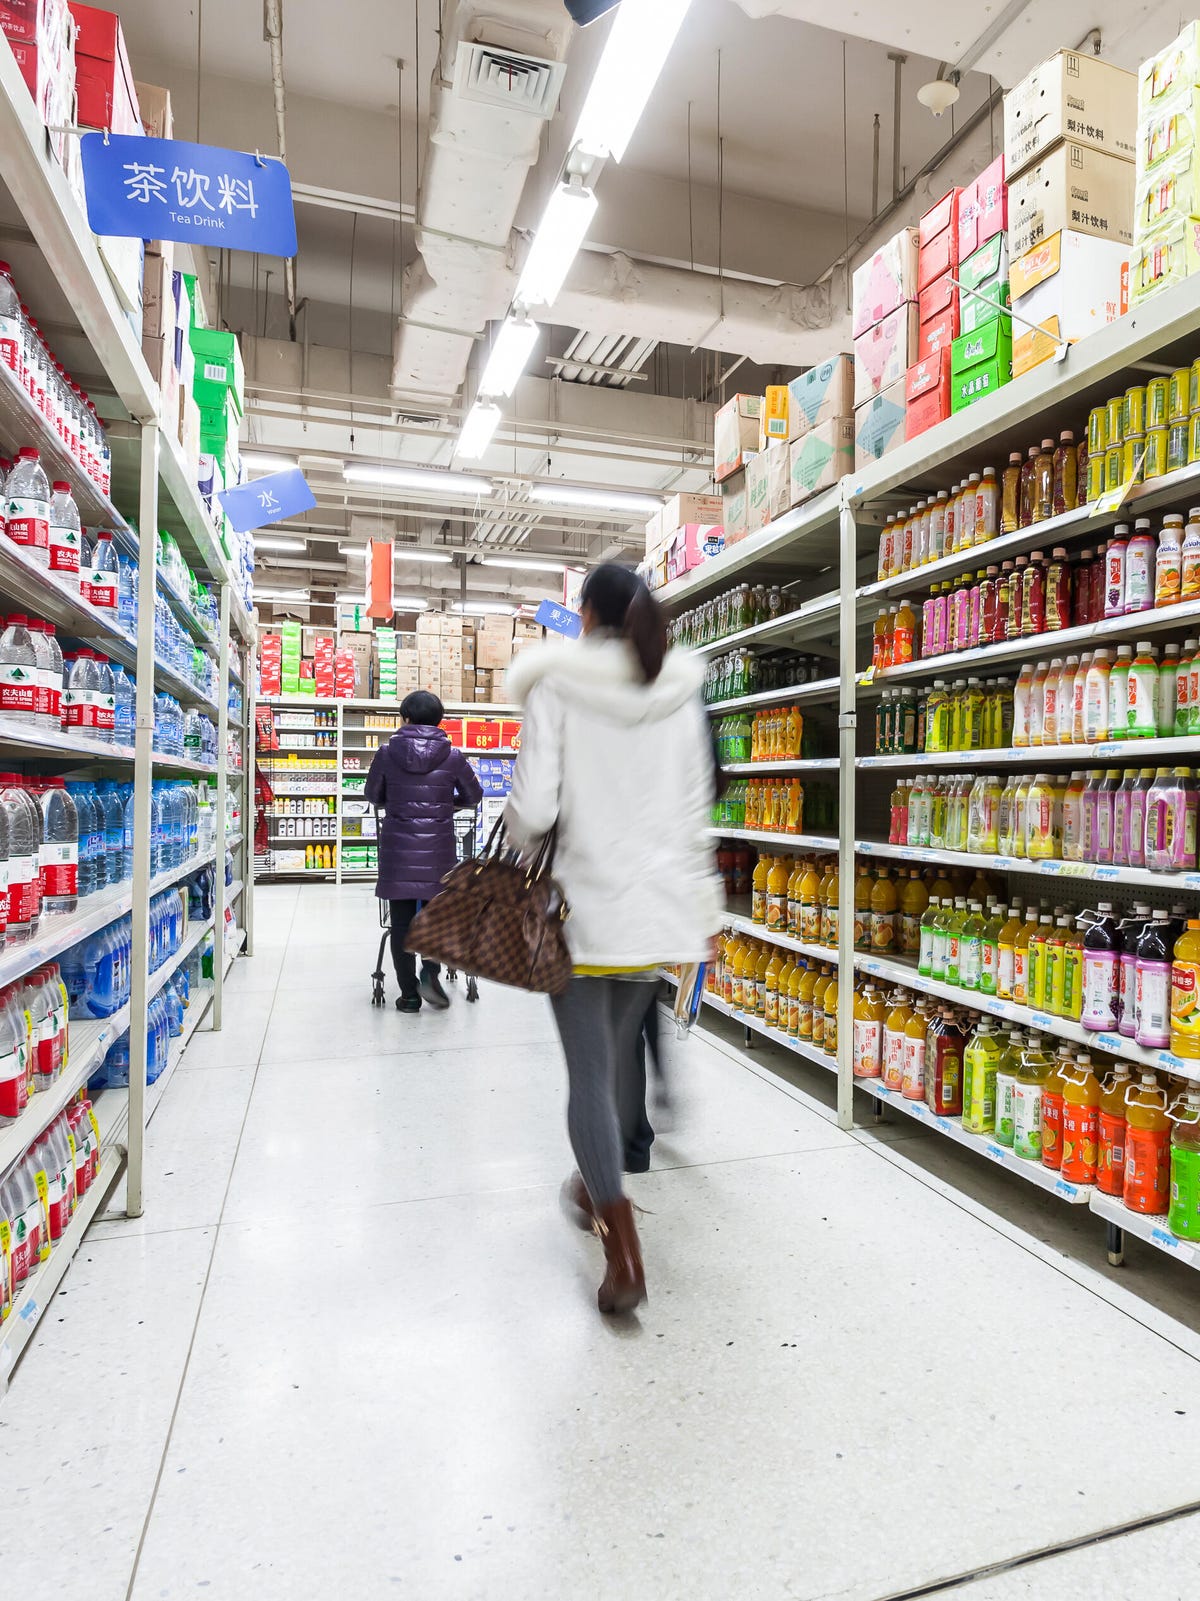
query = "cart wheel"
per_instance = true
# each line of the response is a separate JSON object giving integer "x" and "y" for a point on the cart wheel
{"x": 378, "y": 997}
{"x": 472, "y": 990}
{"x": 451, "y": 975}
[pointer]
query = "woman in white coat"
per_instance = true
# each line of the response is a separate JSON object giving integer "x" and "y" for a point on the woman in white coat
{"x": 616, "y": 750}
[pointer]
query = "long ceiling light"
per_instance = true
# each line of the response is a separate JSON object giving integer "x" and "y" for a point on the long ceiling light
{"x": 278, "y": 542}
{"x": 598, "y": 499}
{"x": 267, "y": 461}
{"x": 484, "y": 608}
{"x": 410, "y": 603}
{"x": 281, "y": 594}
{"x": 559, "y": 237}
{"x": 434, "y": 480}
{"x": 402, "y": 553}
{"x": 510, "y": 355}
{"x": 479, "y": 429}
{"x": 637, "y": 46}
{"x": 529, "y": 563}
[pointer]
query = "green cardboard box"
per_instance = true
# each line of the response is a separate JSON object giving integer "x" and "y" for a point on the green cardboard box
{"x": 986, "y": 271}
{"x": 219, "y": 361}
{"x": 980, "y": 363}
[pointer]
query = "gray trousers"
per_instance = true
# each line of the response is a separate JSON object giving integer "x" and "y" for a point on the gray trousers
{"x": 600, "y": 1024}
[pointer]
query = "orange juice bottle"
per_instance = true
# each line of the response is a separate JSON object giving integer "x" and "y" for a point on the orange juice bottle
{"x": 913, "y": 902}
{"x": 810, "y": 904}
{"x": 786, "y": 969}
{"x": 760, "y": 980}
{"x": 737, "y": 976}
{"x": 795, "y": 731}
{"x": 1185, "y": 993}
{"x": 753, "y": 818}
{"x": 777, "y": 881}
{"x": 793, "y": 896}
{"x": 863, "y": 885}
{"x": 758, "y": 890}
{"x": 870, "y": 1015}
{"x": 1080, "y": 1121}
{"x": 1052, "y": 1108}
{"x": 829, "y": 1042}
{"x": 794, "y": 820}
{"x": 800, "y": 973}
{"x": 899, "y": 1014}
{"x": 1110, "y": 1156}
{"x": 912, "y": 1085}
{"x": 771, "y": 988}
{"x": 1147, "y": 1148}
{"x": 884, "y": 903}
{"x": 824, "y": 979}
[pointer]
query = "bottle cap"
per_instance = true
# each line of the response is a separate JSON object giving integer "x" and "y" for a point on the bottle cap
{"x": 61, "y": 487}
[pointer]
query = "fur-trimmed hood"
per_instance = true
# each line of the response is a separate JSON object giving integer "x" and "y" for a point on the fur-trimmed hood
{"x": 600, "y": 673}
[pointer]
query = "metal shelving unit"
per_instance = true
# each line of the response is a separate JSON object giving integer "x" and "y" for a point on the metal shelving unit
{"x": 828, "y": 549}
{"x": 60, "y": 272}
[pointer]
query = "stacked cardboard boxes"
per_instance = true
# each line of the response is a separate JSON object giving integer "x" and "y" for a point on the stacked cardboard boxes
{"x": 291, "y": 652}
{"x": 355, "y": 649}
{"x": 103, "y": 77}
{"x": 324, "y": 669}
{"x": 691, "y": 530}
{"x": 737, "y": 435}
{"x": 383, "y": 663}
{"x": 270, "y": 664}
{"x": 1069, "y": 141}
{"x": 1166, "y": 222}
{"x": 821, "y": 421}
{"x": 927, "y": 381}
{"x": 886, "y": 326}
{"x": 42, "y": 36}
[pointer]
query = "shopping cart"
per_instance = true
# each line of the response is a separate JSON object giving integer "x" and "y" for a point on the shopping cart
{"x": 465, "y": 824}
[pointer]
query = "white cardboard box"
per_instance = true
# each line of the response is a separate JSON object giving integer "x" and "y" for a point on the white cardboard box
{"x": 1068, "y": 286}
{"x": 1070, "y": 96}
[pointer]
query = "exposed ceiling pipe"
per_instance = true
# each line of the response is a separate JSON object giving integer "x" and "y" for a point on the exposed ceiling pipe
{"x": 273, "y": 32}
{"x": 898, "y": 60}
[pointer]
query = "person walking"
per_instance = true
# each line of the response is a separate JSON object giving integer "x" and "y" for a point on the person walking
{"x": 418, "y": 780}
{"x": 616, "y": 752}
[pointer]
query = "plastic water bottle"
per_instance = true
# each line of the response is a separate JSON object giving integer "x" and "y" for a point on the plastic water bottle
{"x": 12, "y": 339}
{"x": 109, "y": 799}
{"x": 50, "y": 671}
{"x": 127, "y": 843}
{"x": 126, "y": 593}
{"x": 18, "y": 674}
{"x": 79, "y": 975}
{"x": 43, "y": 692}
{"x": 104, "y": 691}
{"x": 123, "y": 706}
{"x": 90, "y": 836}
{"x": 99, "y": 586}
{"x": 60, "y": 848}
{"x": 65, "y": 541}
{"x": 27, "y": 506}
{"x": 157, "y": 831}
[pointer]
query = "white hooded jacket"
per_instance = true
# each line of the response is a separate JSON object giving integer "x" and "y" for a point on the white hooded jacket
{"x": 626, "y": 768}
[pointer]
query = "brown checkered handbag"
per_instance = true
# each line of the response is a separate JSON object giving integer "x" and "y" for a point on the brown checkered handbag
{"x": 499, "y": 918}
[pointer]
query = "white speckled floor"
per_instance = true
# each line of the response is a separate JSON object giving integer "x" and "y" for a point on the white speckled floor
{"x": 351, "y": 1348}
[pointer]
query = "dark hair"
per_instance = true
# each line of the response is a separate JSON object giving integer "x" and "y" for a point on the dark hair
{"x": 621, "y": 600}
{"x": 422, "y": 706}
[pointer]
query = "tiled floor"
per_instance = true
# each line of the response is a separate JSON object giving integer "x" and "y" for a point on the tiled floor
{"x": 352, "y": 1348}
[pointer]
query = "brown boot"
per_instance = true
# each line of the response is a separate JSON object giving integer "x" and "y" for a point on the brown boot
{"x": 577, "y": 1203}
{"x": 624, "y": 1284}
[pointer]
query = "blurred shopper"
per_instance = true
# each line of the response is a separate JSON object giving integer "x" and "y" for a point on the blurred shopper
{"x": 616, "y": 751}
{"x": 418, "y": 780}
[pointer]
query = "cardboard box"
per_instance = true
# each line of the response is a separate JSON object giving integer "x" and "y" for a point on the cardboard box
{"x": 879, "y": 425}
{"x": 429, "y": 623}
{"x": 1171, "y": 70}
{"x": 1164, "y": 257}
{"x": 886, "y": 281}
{"x": 982, "y": 209}
{"x": 219, "y": 363}
{"x": 1170, "y": 132}
{"x": 1073, "y": 187}
{"x": 938, "y": 240}
{"x": 1068, "y": 286}
{"x": 779, "y": 489}
{"x": 1075, "y": 97}
{"x": 31, "y": 20}
{"x": 981, "y": 362}
{"x": 103, "y": 77}
{"x": 758, "y": 493}
{"x": 451, "y": 656}
{"x": 985, "y": 272}
{"x": 1167, "y": 195}
{"x": 654, "y": 534}
{"x": 885, "y": 352}
{"x": 821, "y": 459}
{"x": 692, "y": 545}
{"x": 821, "y": 395}
{"x": 683, "y": 509}
{"x": 774, "y": 420}
{"x": 735, "y": 435}
{"x": 939, "y": 316}
{"x": 927, "y": 393}
{"x": 493, "y": 643}
{"x": 358, "y": 647}
{"x": 154, "y": 105}
{"x": 736, "y": 509}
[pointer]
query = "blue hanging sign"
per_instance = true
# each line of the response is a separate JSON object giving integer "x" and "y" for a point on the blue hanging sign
{"x": 198, "y": 194}
{"x": 266, "y": 500}
{"x": 559, "y": 619}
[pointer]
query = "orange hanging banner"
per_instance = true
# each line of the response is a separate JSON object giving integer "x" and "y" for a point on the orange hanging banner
{"x": 380, "y": 599}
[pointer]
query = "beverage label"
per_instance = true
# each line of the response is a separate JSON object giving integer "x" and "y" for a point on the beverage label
{"x": 758, "y": 906}
{"x": 18, "y": 688}
{"x": 1110, "y": 1156}
{"x": 64, "y": 549}
{"x": 970, "y": 962}
{"x": 14, "y": 1085}
{"x": 893, "y": 1058}
{"x": 1027, "y": 1120}
{"x": 949, "y": 1080}
{"x": 1147, "y": 1170}
{"x": 1101, "y": 989}
{"x": 1184, "y": 1216}
{"x": 776, "y": 904}
{"x": 868, "y": 1049}
{"x": 883, "y": 931}
{"x": 913, "y": 1082}
{"x": 1139, "y": 579}
{"x": 1185, "y": 1000}
{"x": 1080, "y": 1141}
{"x": 810, "y": 922}
{"x": 1052, "y": 1127}
{"x": 1153, "y": 1004}
{"x": 27, "y": 522}
{"x": 102, "y": 590}
{"x": 1127, "y": 994}
{"x": 831, "y": 1034}
{"x": 771, "y": 1008}
{"x": 1020, "y": 980}
{"x": 59, "y": 867}
{"x": 11, "y": 343}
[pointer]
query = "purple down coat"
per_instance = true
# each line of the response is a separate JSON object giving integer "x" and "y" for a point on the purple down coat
{"x": 418, "y": 780}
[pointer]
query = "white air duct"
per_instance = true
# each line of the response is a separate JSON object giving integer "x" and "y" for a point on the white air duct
{"x": 500, "y": 74}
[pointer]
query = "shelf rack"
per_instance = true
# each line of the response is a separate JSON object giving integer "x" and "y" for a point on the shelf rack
{"x": 59, "y": 271}
{"x": 823, "y": 552}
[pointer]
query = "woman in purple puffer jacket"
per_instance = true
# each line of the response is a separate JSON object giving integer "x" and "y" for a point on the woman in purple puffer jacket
{"x": 418, "y": 780}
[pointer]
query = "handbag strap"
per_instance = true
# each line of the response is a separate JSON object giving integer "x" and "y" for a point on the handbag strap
{"x": 497, "y": 848}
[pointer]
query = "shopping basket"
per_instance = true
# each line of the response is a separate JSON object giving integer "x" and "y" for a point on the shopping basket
{"x": 464, "y": 850}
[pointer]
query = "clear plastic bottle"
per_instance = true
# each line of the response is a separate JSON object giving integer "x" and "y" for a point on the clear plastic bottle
{"x": 65, "y": 532}
{"x": 59, "y": 855}
{"x": 24, "y": 850}
{"x": 50, "y": 670}
{"x": 100, "y": 583}
{"x": 18, "y": 674}
{"x": 104, "y": 698}
{"x": 27, "y": 506}
{"x": 114, "y": 830}
{"x": 1115, "y": 563}
{"x": 12, "y": 335}
{"x": 123, "y": 707}
{"x": 90, "y": 836}
{"x": 1168, "y": 562}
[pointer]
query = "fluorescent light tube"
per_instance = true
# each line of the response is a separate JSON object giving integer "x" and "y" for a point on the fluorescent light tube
{"x": 510, "y": 355}
{"x": 432, "y": 479}
{"x": 635, "y": 51}
{"x": 599, "y": 499}
{"x": 402, "y": 553}
{"x": 530, "y": 564}
{"x": 411, "y": 603}
{"x": 478, "y": 430}
{"x": 278, "y": 542}
{"x": 560, "y": 234}
{"x": 484, "y": 608}
{"x": 281, "y": 594}
{"x": 267, "y": 462}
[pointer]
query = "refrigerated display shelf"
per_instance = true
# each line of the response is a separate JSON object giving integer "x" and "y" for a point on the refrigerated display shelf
{"x": 1088, "y": 872}
{"x": 1028, "y": 1017}
{"x": 87, "y": 1042}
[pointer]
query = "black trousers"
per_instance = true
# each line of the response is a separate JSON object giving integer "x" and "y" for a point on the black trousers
{"x": 405, "y": 963}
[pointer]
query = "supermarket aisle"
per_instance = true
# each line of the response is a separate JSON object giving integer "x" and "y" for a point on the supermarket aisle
{"x": 353, "y": 1345}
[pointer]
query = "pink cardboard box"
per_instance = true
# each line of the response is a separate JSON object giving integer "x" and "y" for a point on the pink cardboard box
{"x": 886, "y": 281}
{"x": 885, "y": 352}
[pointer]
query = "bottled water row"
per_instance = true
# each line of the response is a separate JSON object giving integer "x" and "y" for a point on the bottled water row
{"x": 98, "y": 971}
{"x": 41, "y": 1193}
{"x": 164, "y": 1022}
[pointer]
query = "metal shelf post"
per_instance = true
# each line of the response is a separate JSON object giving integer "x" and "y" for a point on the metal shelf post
{"x": 222, "y": 790}
{"x": 847, "y": 737}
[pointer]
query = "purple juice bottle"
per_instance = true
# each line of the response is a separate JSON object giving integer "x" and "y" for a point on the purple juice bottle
{"x": 1171, "y": 807}
{"x": 1130, "y": 932}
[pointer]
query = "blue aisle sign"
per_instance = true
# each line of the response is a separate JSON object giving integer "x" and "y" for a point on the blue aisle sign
{"x": 199, "y": 194}
{"x": 266, "y": 500}
{"x": 559, "y": 619}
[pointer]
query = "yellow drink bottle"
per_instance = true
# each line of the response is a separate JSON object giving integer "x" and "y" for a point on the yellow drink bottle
{"x": 863, "y": 885}
{"x": 771, "y": 989}
{"x": 758, "y": 890}
{"x": 829, "y": 1041}
{"x": 824, "y": 979}
{"x": 777, "y": 883}
{"x": 805, "y": 986}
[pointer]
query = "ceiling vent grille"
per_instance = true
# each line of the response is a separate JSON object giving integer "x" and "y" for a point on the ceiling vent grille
{"x": 504, "y": 78}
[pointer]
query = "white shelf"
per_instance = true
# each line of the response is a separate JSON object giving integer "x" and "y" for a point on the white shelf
{"x": 1088, "y": 872}
{"x": 757, "y": 836}
{"x": 87, "y": 1041}
{"x": 983, "y": 1144}
{"x": 21, "y": 423}
{"x": 1110, "y": 1042}
{"x": 1036, "y": 756}
{"x": 789, "y": 942}
{"x": 814, "y": 524}
{"x": 232, "y": 891}
{"x": 806, "y": 618}
{"x": 789, "y": 695}
{"x": 1153, "y": 1230}
{"x": 797, "y": 764}
{"x": 803, "y": 1048}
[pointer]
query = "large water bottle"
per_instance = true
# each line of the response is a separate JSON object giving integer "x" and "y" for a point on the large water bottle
{"x": 27, "y": 506}
{"x": 60, "y": 848}
{"x": 162, "y": 718}
{"x": 123, "y": 707}
{"x": 78, "y": 967}
{"x": 50, "y": 670}
{"x": 99, "y": 587}
{"x": 127, "y": 593}
{"x": 105, "y": 699}
{"x": 102, "y": 996}
{"x": 22, "y": 856}
{"x": 193, "y": 737}
{"x": 12, "y": 336}
{"x": 157, "y": 830}
{"x": 79, "y": 693}
{"x": 90, "y": 836}
{"x": 114, "y": 829}
{"x": 127, "y": 842}
{"x": 18, "y": 674}
{"x": 65, "y": 541}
